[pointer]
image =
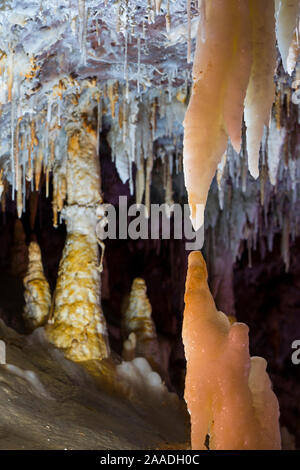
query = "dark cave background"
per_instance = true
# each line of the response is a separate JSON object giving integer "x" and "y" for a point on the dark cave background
{"x": 266, "y": 297}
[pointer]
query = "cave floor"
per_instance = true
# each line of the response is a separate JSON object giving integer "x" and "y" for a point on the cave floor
{"x": 48, "y": 402}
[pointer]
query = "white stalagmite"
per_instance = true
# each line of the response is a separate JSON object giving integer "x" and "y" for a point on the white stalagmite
{"x": 287, "y": 17}
{"x": 261, "y": 89}
{"x": 137, "y": 319}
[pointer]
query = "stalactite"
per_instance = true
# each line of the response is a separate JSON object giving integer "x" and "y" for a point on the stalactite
{"x": 168, "y": 17}
{"x": 275, "y": 143}
{"x": 206, "y": 119}
{"x": 38, "y": 168}
{"x": 12, "y": 148}
{"x": 140, "y": 181}
{"x": 223, "y": 385}
{"x": 261, "y": 89}
{"x": 139, "y": 65}
{"x": 18, "y": 180}
{"x": 3, "y": 199}
{"x": 36, "y": 290}
{"x": 240, "y": 67}
{"x": 287, "y": 18}
{"x": 10, "y": 74}
{"x": 285, "y": 242}
{"x": 168, "y": 182}
{"x": 19, "y": 193}
{"x": 153, "y": 119}
{"x": 2, "y": 183}
{"x": 82, "y": 16}
{"x": 239, "y": 47}
{"x": 294, "y": 52}
{"x": 112, "y": 90}
{"x": 189, "y": 40}
{"x": 149, "y": 167}
{"x": 99, "y": 117}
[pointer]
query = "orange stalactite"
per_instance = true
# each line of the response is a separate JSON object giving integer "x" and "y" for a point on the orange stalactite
{"x": 233, "y": 68}
{"x": 220, "y": 74}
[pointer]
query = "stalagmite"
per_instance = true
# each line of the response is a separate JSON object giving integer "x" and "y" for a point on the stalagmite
{"x": 228, "y": 394}
{"x": 261, "y": 89}
{"x": 220, "y": 73}
{"x": 77, "y": 324}
{"x": 129, "y": 347}
{"x": 137, "y": 319}
{"x": 287, "y": 18}
{"x": 36, "y": 290}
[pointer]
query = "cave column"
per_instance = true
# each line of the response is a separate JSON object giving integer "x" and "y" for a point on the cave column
{"x": 77, "y": 324}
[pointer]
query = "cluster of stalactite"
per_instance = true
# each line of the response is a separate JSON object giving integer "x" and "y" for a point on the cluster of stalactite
{"x": 35, "y": 82}
{"x": 147, "y": 128}
{"x": 34, "y": 115}
{"x": 39, "y": 142}
{"x": 239, "y": 208}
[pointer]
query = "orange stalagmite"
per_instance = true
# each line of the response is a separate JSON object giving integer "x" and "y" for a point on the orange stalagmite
{"x": 228, "y": 394}
{"x": 221, "y": 71}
